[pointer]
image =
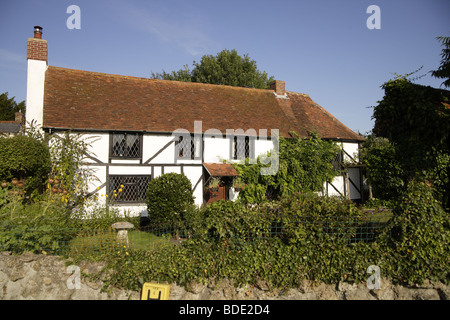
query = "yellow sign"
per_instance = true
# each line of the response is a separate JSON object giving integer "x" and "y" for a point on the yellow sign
{"x": 155, "y": 291}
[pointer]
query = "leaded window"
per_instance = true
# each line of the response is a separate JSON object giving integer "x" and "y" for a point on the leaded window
{"x": 242, "y": 147}
{"x": 188, "y": 147}
{"x": 128, "y": 189}
{"x": 126, "y": 145}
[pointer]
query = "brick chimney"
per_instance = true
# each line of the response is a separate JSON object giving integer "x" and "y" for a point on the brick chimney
{"x": 19, "y": 117}
{"x": 37, "y": 47}
{"x": 37, "y": 65}
{"x": 278, "y": 87}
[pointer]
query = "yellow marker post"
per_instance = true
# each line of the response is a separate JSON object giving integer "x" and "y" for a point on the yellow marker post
{"x": 155, "y": 291}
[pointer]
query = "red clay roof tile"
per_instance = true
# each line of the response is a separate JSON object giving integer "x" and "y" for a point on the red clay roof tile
{"x": 86, "y": 100}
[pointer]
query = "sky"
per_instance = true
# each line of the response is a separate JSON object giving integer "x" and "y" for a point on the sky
{"x": 323, "y": 48}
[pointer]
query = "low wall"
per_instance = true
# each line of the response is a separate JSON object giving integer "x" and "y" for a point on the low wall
{"x": 42, "y": 277}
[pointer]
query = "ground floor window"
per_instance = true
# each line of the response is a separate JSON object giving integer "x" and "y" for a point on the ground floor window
{"x": 128, "y": 189}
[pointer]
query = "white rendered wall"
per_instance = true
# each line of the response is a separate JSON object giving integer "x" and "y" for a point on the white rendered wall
{"x": 353, "y": 150}
{"x": 35, "y": 91}
{"x": 216, "y": 149}
{"x": 153, "y": 143}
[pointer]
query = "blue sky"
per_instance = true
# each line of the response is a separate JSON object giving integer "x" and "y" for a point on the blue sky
{"x": 322, "y": 48}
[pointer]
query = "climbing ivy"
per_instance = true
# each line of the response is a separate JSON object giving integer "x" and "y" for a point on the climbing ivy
{"x": 415, "y": 119}
{"x": 304, "y": 166}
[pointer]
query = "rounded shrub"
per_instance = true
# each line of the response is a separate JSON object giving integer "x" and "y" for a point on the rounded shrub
{"x": 24, "y": 158}
{"x": 169, "y": 197}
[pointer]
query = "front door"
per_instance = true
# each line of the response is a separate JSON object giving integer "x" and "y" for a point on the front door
{"x": 216, "y": 195}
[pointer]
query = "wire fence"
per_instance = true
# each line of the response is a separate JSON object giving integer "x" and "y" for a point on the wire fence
{"x": 45, "y": 239}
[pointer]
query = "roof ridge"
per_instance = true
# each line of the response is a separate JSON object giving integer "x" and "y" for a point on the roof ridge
{"x": 176, "y": 82}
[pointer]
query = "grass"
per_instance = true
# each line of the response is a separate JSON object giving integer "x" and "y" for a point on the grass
{"x": 99, "y": 241}
{"x": 147, "y": 241}
{"x": 378, "y": 215}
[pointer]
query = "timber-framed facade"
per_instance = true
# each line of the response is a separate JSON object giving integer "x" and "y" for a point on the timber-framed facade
{"x": 148, "y": 127}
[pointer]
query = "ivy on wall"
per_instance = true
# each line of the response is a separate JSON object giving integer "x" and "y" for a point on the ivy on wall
{"x": 304, "y": 166}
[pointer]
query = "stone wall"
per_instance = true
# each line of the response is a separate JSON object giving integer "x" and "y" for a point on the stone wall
{"x": 42, "y": 277}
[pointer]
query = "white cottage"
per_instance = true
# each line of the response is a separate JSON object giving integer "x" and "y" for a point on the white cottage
{"x": 149, "y": 127}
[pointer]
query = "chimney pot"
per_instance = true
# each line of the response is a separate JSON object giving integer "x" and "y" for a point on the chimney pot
{"x": 37, "y": 32}
{"x": 37, "y": 47}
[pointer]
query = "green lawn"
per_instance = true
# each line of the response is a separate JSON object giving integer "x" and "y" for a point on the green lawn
{"x": 93, "y": 241}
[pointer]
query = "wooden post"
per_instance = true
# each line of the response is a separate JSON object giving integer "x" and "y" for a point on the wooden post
{"x": 347, "y": 184}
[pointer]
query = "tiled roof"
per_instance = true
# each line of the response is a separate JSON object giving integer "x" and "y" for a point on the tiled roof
{"x": 86, "y": 100}
{"x": 10, "y": 126}
{"x": 221, "y": 169}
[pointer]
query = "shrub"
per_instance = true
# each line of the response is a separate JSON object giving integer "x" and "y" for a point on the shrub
{"x": 418, "y": 237}
{"x": 169, "y": 197}
{"x": 23, "y": 157}
{"x": 383, "y": 169}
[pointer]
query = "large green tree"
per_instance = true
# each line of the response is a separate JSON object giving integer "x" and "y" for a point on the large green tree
{"x": 226, "y": 68}
{"x": 443, "y": 72}
{"x": 416, "y": 119}
{"x": 8, "y": 107}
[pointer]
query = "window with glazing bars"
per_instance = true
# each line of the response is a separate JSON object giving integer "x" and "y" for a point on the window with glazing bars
{"x": 126, "y": 145}
{"x": 128, "y": 189}
{"x": 188, "y": 147}
{"x": 242, "y": 147}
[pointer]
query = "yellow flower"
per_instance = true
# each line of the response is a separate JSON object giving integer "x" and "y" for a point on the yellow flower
{"x": 120, "y": 190}
{"x": 98, "y": 188}
{"x": 121, "y": 185}
{"x": 106, "y": 195}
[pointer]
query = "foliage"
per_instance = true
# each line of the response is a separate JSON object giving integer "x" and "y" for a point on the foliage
{"x": 383, "y": 169}
{"x": 68, "y": 150}
{"x": 439, "y": 177}
{"x": 247, "y": 244}
{"x": 443, "y": 72}
{"x": 169, "y": 197}
{"x": 226, "y": 68}
{"x": 418, "y": 237}
{"x": 250, "y": 244}
{"x": 184, "y": 75}
{"x": 42, "y": 223}
{"x": 304, "y": 166}
{"x": 24, "y": 158}
{"x": 415, "y": 119}
{"x": 8, "y": 107}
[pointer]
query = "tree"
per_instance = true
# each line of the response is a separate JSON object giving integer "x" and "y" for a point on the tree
{"x": 8, "y": 107}
{"x": 383, "y": 169}
{"x": 443, "y": 72}
{"x": 184, "y": 75}
{"x": 226, "y": 68}
{"x": 415, "y": 119}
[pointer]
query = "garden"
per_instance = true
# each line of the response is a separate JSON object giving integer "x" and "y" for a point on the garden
{"x": 295, "y": 234}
